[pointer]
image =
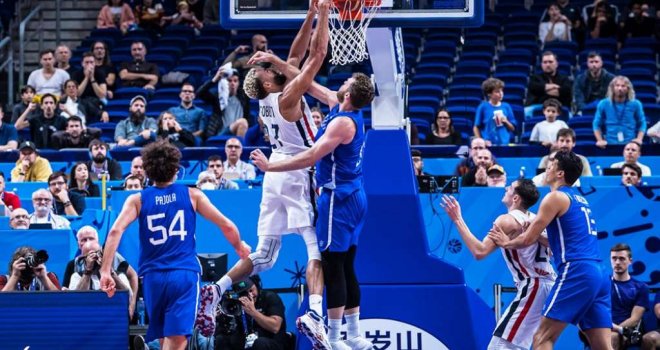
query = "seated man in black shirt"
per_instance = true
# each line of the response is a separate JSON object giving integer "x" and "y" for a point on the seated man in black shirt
{"x": 264, "y": 311}
{"x": 65, "y": 202}
{"x": 139, "y": 73}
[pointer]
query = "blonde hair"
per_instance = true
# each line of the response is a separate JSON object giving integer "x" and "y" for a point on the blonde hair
{"x": 631, "y": 90}
{"x": 251, "y": 84}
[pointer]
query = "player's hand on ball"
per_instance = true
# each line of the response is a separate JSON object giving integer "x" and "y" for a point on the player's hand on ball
{"x": 108, "y": 284}
{"x": 259, "y": 160}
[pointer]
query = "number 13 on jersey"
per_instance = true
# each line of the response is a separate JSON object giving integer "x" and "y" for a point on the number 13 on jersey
{"x": 177, "y": 227}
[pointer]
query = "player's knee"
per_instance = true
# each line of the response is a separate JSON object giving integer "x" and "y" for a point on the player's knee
{"x": 262, "y": 262}
{"x": 616, "y": 339}
{"x": 335, "y": 280}
{"x": 650, "y": 339}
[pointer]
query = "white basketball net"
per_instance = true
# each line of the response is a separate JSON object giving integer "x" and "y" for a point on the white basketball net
{"x": 348, "y": 29}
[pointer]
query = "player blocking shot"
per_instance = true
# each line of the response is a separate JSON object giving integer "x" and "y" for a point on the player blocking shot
{"x": 529, "y": 266}
{"x": 166, "y": 213}
{"x": 287, "y": 204}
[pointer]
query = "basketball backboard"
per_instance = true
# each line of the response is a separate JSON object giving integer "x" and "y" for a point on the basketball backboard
{"x": 283, "y": 14}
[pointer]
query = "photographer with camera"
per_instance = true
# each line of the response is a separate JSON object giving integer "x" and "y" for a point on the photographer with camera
{"x": 251, "y": 318}
{"x": 27, "y": 272}
{"x": 90, "y": 278}
{"x": 630, "y": 299}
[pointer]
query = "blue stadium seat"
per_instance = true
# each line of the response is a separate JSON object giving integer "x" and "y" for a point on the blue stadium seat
{"x": 461, "y": 112}
{"x": 429, "y": 78}
{"x": 425, "y": 90}
{"x": 130, "y": 92}
{"x": 636, "y": 54}
{"x": 179, "y": 42}
{"x": 424, "y": 101}
{"x": 421, "y": 112}
{"x": 604, "y": 44}
{"x": 179, "y": 31}
{"x": 463, "y": 101}
{"x": 516, "y": 55}
{"x": 465, "y": 91}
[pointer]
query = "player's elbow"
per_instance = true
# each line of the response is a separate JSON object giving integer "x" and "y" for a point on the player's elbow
{"x": 479, "y": 255}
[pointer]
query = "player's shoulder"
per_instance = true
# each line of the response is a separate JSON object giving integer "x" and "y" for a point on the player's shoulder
{"x": 507, "y": 222}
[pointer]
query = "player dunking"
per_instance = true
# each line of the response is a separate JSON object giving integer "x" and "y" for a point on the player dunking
{"x": 168, "y": 261}
{"x": 529, "y": 265}
{"x": 286, "y": 203}
{"x": 342, "y": 204}
{"x": 581, "y": 295}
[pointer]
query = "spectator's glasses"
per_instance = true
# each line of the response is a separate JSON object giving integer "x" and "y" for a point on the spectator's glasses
{"x": 46, "y": 200}
{"x": 18, "y": 217}
{"x": 57, "y": 183}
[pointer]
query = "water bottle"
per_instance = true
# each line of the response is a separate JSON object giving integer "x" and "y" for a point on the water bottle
{"x": 599, "y": 170}
{"x": 140, "y": 311}
{"x": 522, "y": 172}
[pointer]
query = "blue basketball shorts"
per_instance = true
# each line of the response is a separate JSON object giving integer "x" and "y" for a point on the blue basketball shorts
{"x": 340, "y": 220}
{"x": 171, "y": 299}
{"x": 581, "y": 296}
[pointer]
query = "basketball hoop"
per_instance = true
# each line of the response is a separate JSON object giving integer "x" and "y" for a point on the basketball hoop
{"x": 349, "y": 20}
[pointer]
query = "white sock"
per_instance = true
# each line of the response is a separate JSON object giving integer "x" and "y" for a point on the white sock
{"x": 352, "y": 325}
{"x": 334, "y": 330}
{"x": 316, "y": 303}
{"x": 224, "y": 283}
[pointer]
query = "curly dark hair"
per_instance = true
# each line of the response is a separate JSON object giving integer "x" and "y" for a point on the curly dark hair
{"x": 362, "y": 90}
{"x": 160, "y": 160}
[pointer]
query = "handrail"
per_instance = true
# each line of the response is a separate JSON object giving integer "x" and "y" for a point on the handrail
{"x": 22, "y": 42}
{"x": 8, "y": 64}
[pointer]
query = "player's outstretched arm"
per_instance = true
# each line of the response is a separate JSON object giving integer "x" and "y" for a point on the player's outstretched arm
{"x": 204, "y": 206}
{"x": 479, "y": 249}
{"x": 129, "y": 213}
{"x": 301, "y": 42}
{"x": 340, "y": 131}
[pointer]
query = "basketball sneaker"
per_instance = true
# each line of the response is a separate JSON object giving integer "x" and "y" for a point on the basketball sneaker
{"x": 311, "y": 325}
{"x": 208, "y": 302}
{"x": 359, "y": 343}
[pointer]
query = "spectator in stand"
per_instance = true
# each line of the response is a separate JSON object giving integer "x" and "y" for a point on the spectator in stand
{"x": 81, "y": 183}
{"x": 548, "y": 84}
{"x": 149, "y": 14}
{"x": 69, "y": 104}
{"x": 9, "y": 199}
{"x": 92, "y": 89}
{"x": 494, "y": 120}
{"x": 218, "y": 169}
{"x": 89, "y": 279}
{"x": 620, "y": 114}
{"x": 588, "y": 10}
{"x": 101, "y": 164}
{"x": 27, "y": 96}
{"x": 189, "y": 116}
{"x": 651, "y": 340}
{"x": 116, "y": 14}
{"x": 418, "y": 162}
{"x": 136, "y": 167}
{"x": 42, "y": 202}
{"x": 138, "y": 129}
{"x": 76, "y": 135}
{"x": 478, "y": 176}
{"x": 546, "y": 131}
{"x": 496, "y": 176}
{"x": 255, "y": 135}
{"x": 231, "y": 107}
{"x": 259, "y": 43}
{"x": 591, "y": 85}
{"x": 235, "y": 168}
{"x": 139, "y": 73}
{"x": 48, "y": 79}
{"x": 196, "y": 7}
{"x": 630, "y": 297}
{"x": 66, "y": 202}
{"x": 30, "y": 167}
{"x": 631, "y": 175}
{"x": 102, "y": 63}
{"x": 317, "y": 116}
{"x": 654, "y": 133}
{"x": 557, "y": 27}
{"x": 573, "y": 13}
{"x": 45, "y": 124}
{"x": 211, "y": 12}
{"x": 18, "y": 219}
{"x": 170, "y": 129}
{"x": 631, "y": 154}
{"x": 8, "y": 134}
{"x": 601, "y": 22}
{"x": 206, "y": 181}
{"x": 442, "y": 131}
{"x": 184, "y": 16}
{"x": 62, "y": 58}
{"x": 24, "y": 278}
{"x": 470, "y": 161}
{"x": 134, "y": 183}
{"x": 639, "y": 23}
{"x": 566, "y": 142}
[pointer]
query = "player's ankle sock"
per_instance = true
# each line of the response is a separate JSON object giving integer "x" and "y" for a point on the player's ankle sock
{"x": 316, "y": 304}
{"x": 334, "y": 330}
{"x": 352, "y": 325}
{"x": 224, "y": 283}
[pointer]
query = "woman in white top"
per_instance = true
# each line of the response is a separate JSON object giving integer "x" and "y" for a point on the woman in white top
{"x": 558, "y": 27}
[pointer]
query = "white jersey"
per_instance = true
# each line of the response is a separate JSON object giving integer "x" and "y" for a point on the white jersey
{"x": 531, "y": 261}
{"x": 286, "y": 137}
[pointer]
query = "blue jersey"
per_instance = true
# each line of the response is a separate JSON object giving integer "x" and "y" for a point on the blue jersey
{"x": 625, "y": 296}
{"x": 341, "y": 170}
{"x": 167, "y": 230}
{"x": 573, "y": 236}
